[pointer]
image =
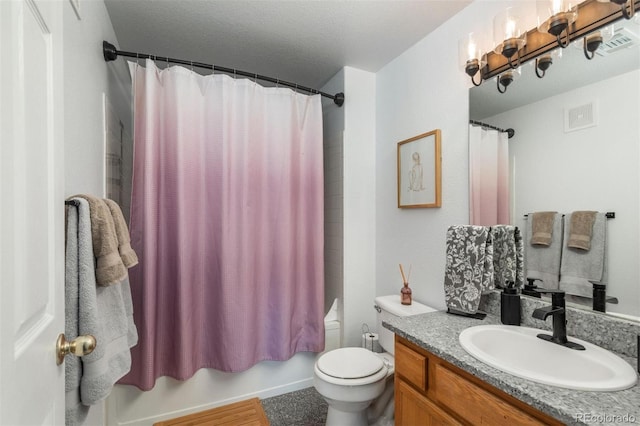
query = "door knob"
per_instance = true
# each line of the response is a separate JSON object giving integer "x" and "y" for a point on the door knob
{"x": 80, "y": 346}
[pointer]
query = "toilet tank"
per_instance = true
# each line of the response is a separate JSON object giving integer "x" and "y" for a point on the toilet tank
{"x": 389, "y": 307}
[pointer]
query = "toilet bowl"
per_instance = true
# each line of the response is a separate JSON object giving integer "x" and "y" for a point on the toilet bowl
{"x": 357, "y": 383}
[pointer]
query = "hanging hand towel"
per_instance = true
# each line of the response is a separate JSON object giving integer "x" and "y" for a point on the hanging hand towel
{"x": 542, "y": 227}
{"x": 543, "y": 262}
{"x": 581, "y": 229}
{"x": 103, "y": 312}
{"x": 469, "y": 267}
{"x": 110, "y": 269}
{"x": 579, "y": 267}
{"x": 508, "y": 255}
{"x": 127, "y": 254}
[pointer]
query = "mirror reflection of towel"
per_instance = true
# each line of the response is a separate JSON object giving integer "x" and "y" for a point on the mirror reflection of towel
{"x": 508, "y": 255}
{"x": 469, "y": 266}
{"x": 543, "y": 262}
{"x": 579, "y": 267}
{"x": 581, "y": 229}
{"x": 542, "y": 226}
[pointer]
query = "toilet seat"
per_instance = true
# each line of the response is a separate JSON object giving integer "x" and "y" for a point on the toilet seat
{"x": 350, "y": 367}
{"x": 350, "y": 363}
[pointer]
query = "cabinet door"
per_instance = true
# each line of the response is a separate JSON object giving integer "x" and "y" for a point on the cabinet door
{"x": 414, "y": 409}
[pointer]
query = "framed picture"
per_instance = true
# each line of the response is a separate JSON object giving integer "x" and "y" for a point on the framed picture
{"x": 419, "y": 171}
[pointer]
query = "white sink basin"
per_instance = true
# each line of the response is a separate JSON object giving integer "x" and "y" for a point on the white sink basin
{"x": 517, "y": 350}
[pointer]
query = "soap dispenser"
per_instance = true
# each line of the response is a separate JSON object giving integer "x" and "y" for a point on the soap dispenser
{"x": 510, "y": 305}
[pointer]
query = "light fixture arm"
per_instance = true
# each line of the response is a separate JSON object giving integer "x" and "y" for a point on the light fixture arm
{"x": 539, "y": 72}
{"x": 517, "y": 63}
{"x": 567, "y": 39}
{"x": 474, "y": 81}
{"x": 498, "y": 85}
{"x": 591, "y": 43}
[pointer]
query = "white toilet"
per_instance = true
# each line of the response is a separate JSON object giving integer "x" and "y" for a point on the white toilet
{"x": 357, "y": 383}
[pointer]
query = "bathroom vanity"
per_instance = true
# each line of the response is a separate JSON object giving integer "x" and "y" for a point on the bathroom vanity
{"x": 438, "y": 382}
{"x": 428, "y": 387}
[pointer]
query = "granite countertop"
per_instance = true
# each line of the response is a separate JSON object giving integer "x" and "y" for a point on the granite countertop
{"x": 438, "y": 333}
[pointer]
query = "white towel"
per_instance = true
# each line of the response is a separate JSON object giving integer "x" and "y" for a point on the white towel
{"x": 104, "y": 312}
{"x": 543, "y": 262}
{"x": 469, "y": 267}
{"x": 579, "y": 267}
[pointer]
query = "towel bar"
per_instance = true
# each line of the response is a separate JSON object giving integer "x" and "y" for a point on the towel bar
{"x": 608, "y": 215}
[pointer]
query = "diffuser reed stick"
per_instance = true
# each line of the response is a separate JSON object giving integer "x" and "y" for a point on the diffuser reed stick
{"x": 404, "y": 279}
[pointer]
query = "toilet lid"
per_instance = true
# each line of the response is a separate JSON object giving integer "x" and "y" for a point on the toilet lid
{"x": 349, "y": 363}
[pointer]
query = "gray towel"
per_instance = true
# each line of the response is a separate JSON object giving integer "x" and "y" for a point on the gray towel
{"x": 543, "y": 262}
{"x": 107, "y": 314}
{"x": 579, "y": 267}
{"x": 508, "y": 255}
{"x": 469, "y": 267}
{"x": 77, "y": 267}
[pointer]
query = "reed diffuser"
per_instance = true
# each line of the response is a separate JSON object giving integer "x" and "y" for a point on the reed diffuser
{"x": 405, "y": 292}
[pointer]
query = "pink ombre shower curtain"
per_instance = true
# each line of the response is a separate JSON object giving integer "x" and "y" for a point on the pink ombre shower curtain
{"x": 227, "y": 220}
{"x": 488, "y": 177}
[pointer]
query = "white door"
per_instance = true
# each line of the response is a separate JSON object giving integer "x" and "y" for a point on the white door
{"x": 31, "y": 212}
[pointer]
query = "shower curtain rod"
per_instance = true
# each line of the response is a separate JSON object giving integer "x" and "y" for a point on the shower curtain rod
{"x": 510, "y": 132}
{"x": 110, "y": 53}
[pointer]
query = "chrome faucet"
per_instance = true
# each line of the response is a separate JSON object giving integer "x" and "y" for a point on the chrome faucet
{"x": 559, "y": 312}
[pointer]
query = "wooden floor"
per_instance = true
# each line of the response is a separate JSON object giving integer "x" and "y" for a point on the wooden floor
{"x": 243, "y": 413}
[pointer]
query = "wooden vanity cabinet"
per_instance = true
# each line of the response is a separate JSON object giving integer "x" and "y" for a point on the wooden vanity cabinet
{"x": 432, "y": 391}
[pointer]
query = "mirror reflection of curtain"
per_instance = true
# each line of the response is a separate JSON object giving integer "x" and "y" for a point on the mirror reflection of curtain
{"x": 227, "y": 220}
{"x": 489, "y": 177}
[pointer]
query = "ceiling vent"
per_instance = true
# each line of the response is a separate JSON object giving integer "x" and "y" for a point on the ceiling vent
{"x": 622, "y": 39}
{"x": 580, "y": 117}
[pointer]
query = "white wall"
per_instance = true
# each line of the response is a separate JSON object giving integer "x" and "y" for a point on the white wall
{"x": 359, "y": 204}
{"x": 86, "y": 78}
{"x": 424, "y": 89}
{"x": 333, "y": 130}
{"x": 595, "y": 168}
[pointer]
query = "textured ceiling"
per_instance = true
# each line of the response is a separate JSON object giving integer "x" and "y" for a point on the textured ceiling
{"x": 305, "y": 42}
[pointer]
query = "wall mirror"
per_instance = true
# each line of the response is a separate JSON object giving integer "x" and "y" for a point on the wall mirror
{"x": 576, "y": 146}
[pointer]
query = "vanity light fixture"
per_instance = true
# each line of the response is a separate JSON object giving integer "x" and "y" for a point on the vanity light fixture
{"x": 471, "y": 57}
{"x": 555, "y": 17}
{"x": 558, "y": 26}
{"x": 628, "y": 7}
{"x": 508, "y": 27}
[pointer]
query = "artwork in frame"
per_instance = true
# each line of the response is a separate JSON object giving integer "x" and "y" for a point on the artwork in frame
{"x": 419, "y": 171}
